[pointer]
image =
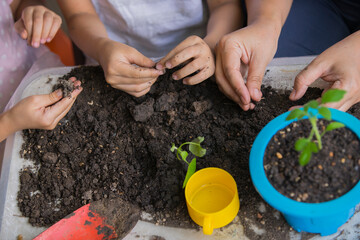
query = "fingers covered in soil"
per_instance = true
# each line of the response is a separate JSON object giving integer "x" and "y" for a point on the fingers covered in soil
{"x": 67, "y": 86}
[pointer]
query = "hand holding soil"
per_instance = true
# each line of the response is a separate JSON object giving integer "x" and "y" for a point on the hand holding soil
{"x": 43, "y": 111}
{"x": 127, "y": 69}
{"x": 196, "y": 58}
{"x": 67, "y": 86}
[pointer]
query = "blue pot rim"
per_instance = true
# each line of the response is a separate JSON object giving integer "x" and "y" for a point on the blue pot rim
{"x": 287, "y": 205}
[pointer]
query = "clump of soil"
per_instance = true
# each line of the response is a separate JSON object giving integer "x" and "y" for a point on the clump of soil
{"x": 67, "y": 87}
{"x": 112, "y": 145}
{"x": 119, "y": 214}
{"x": 331, "y": 172}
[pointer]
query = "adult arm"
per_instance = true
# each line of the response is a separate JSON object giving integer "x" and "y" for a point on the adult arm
{"x": 125, "y": 68}
{"x": 340, "y": 66}
{"x": 250, "y": 49}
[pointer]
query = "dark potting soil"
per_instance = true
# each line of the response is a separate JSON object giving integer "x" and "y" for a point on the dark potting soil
{"x": 331, "y": 172}
{"x": 119, "y": 214}
{"x": 66, "y": 86}
{"x": 113, "y": 145}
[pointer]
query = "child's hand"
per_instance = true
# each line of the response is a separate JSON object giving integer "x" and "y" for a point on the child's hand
{"x": 127, "y": 69}
{"x": 197, "y": 56}
{"x": 37, "y": 25}
{"x": 42, "y": 111}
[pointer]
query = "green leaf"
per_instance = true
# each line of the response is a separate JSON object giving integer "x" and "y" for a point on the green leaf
{"x": 313, "y": 147}
{"x": 198, "y": 140}
{"x": 301, "y": 143}
{"x": 183, "y": 154}
{"x": 173, "y": 147}
{"x": 305, "y": 156}
{"x": 312, "y": 104}
{"x": 190, "y": 171}
{"x": 195, "y": 147}
{"x": 332, "y": 95}
{"x": 325, "y": 112}
{"x": 302, "y": 115}
{"x": 294, "y": 114}
{"x": 334, "y": 125}
{"x": 197, "y": 150}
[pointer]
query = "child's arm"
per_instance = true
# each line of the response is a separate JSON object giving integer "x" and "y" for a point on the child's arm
{"x": 225, "y": 17}
{"x": 197, "y": 53}
{"x": 39, "y": 111}
{"x": 34, "y": 22}
{"x": 116, "y": 59}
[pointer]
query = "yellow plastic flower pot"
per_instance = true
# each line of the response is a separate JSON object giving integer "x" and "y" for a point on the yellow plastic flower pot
{"x": 212, "y": 198}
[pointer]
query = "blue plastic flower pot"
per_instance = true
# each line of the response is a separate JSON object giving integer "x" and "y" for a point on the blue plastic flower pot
{"x": 324, "y": 218}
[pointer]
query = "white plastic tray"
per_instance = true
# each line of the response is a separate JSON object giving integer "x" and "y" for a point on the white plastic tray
{"x": 12, "y": 223}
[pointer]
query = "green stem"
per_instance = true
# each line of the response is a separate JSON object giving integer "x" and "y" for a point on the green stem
{"x": 313, "y": 121}
{"x": 311, "y": 134}
{"x": 180, "y": 149}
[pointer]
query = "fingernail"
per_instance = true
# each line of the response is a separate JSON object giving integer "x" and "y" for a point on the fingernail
{"x": 36, "y": 44}
{"x": 252, "y": 106}
{"x": 48, "y": 39}
{"x": 245, "y": 107}
{"x": 43, "y": 41}
{"x": 160, "y": 72}
{"x": 23, "y": 34}
{"x": 257, "y": 93}
{"x": 168, "y": 65}
{"x": 159, "y": 66}
{"x": 292, "y": 94}
{"x": 78, "y": 89}
{"x": 175, "y": 77}
{"x": 59, "y": 92}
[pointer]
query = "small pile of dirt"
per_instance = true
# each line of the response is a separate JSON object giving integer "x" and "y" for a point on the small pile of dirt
{"x": 66, "y": 86}
{"x": 113, "y": 145}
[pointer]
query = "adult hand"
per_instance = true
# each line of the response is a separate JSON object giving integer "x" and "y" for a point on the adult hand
{"x": 38, "y": 25}
{"x": 197, "y": 57}
{"x": 340, "y": 66}
{"x": 250, "y": 48}
{"x": 126, "y": 68}
{"x": 42, "y": 111}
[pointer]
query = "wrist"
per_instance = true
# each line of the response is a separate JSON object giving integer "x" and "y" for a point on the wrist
{"x": 101, "y": 46}
{"x": 7, "y": 126}
{"x": 270, "y": 26}
{"x": 211, "y": 42}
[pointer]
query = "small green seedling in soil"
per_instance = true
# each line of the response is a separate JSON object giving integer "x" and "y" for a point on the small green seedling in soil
{"x": 307, "y": 146}
{"x": 195, "y": 149}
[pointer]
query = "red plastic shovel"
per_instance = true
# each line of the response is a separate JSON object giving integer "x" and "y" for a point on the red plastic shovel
{"x": 104, "y": 219}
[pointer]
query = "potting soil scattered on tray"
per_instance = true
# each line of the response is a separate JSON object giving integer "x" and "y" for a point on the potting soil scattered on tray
{"x": 114, "y": 145}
